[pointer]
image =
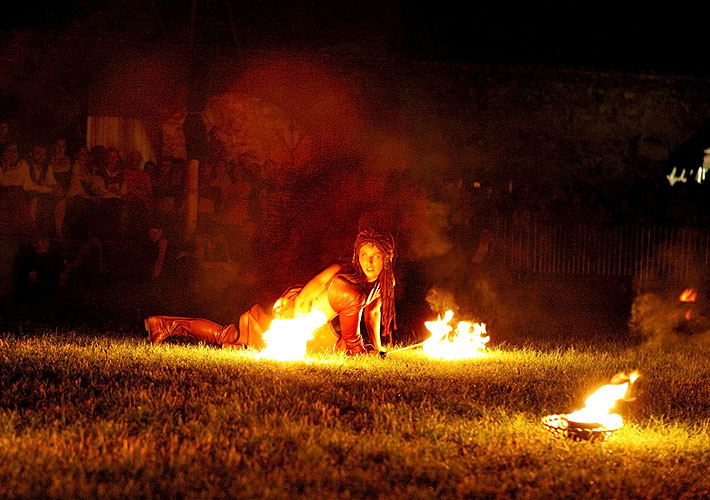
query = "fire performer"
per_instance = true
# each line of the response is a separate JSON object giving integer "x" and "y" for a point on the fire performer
{"x": 360, "y": 289}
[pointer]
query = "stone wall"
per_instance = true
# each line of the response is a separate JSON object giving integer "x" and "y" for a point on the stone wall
{"x": 500, "y": 122}
{"x": 549, "y": 124}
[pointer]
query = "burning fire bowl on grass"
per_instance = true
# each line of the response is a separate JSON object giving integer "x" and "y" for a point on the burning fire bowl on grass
{"x": 562, "y": 427}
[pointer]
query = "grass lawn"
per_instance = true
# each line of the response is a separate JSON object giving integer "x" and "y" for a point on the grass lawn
{"x": 103, "y": 414}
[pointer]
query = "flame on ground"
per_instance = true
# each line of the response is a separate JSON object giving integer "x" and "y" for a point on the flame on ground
{"x": 286, "y": 338}
{"x": 467, "y": 340}
{"x": 598, "y": 405}
{"x": 688, "y": 295}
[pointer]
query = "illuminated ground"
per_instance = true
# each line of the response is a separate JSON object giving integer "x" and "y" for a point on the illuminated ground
{"x": 102, "y": 414}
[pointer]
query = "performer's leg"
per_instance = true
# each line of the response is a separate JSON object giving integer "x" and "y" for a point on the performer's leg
{"x": 325, "y": 340}
{"x": 161, "y": 327}
{"x": 252, "y": 325}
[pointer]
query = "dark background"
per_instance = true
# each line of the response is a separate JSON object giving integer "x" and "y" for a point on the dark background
{"x": 52, "y": 52}
{"x": 621, "y": 35}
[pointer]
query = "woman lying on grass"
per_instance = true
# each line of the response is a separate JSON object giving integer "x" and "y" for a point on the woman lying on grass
{"x": 362, "y": 288}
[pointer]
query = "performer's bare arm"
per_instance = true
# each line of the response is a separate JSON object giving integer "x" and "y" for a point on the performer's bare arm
{"x": 309, "y": 293}
{"x": 372, "y": 314}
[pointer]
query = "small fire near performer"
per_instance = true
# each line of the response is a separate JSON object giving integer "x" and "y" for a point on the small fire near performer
{"x": 362, "y": 288}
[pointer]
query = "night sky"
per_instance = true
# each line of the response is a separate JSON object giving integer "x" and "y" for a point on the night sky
{"x": 606, "y": 36}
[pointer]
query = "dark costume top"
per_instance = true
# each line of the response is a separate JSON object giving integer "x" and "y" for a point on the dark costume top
{"x": 347, "y": 299}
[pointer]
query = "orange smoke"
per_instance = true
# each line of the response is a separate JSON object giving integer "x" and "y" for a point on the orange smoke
{"x": 317, "y": 100}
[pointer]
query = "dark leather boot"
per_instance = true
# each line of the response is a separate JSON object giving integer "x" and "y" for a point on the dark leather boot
{"x": 160, "y": 328}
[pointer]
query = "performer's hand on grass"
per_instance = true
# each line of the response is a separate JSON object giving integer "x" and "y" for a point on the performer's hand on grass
{"x": 373, "y": 350}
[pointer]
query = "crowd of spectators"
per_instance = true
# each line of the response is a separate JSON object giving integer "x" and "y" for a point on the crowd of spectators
{"x": 93, "y": 214}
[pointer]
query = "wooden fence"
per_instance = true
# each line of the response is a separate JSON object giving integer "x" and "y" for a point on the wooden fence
{"x": 644, "y": 252}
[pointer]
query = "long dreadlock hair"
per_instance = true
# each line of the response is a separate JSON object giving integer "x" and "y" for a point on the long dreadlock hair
{"x": 385, "y": 243}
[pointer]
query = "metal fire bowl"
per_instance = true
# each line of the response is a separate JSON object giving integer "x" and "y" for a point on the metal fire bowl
{"x": 559, "y": 426}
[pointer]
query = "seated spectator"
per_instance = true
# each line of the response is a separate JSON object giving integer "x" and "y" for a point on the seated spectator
{"x": 217, "y": 270}
{"x": 39, "y": 167}
{"x": 149, "y": 167}
{"x": 489, "y": 252}
{"x": 84, "y": 181}
{"x": 178, "y": 178}
{"x": 83, "y": 260}
{"x": 41, "y": 268}
{"x": 98, "y": 157}
{"x": 49, "y": 212}
{"x": 159, "y": 253}
{"x": 15, "y": 173}
{"x": 60, "y": 164}
{"x": 137, "y": 193}
{"x": 163, "y": 191}
{"x": 43, "y": 272}
{"x": 207, "y": 201}
{"x": 112, "y": 171}
{"x": 217, "y": 148}
{"x": 211, "y": 247}
{"x": 235, "y": 198}
{"x": 88, "y": 201}
{"x": 136, "y": 182}
{"x": 218, "y": 182}
{"x": 4, "y": 134}
{"x": 15, "y": 217}
{"x": 15, "y": 212}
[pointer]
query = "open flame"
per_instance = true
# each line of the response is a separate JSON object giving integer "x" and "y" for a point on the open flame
{"x": 689, "y": 295}
{"x": 598, "y": 405}
{"x": 286, "y": 338}
{"x": 467, "y": 340}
